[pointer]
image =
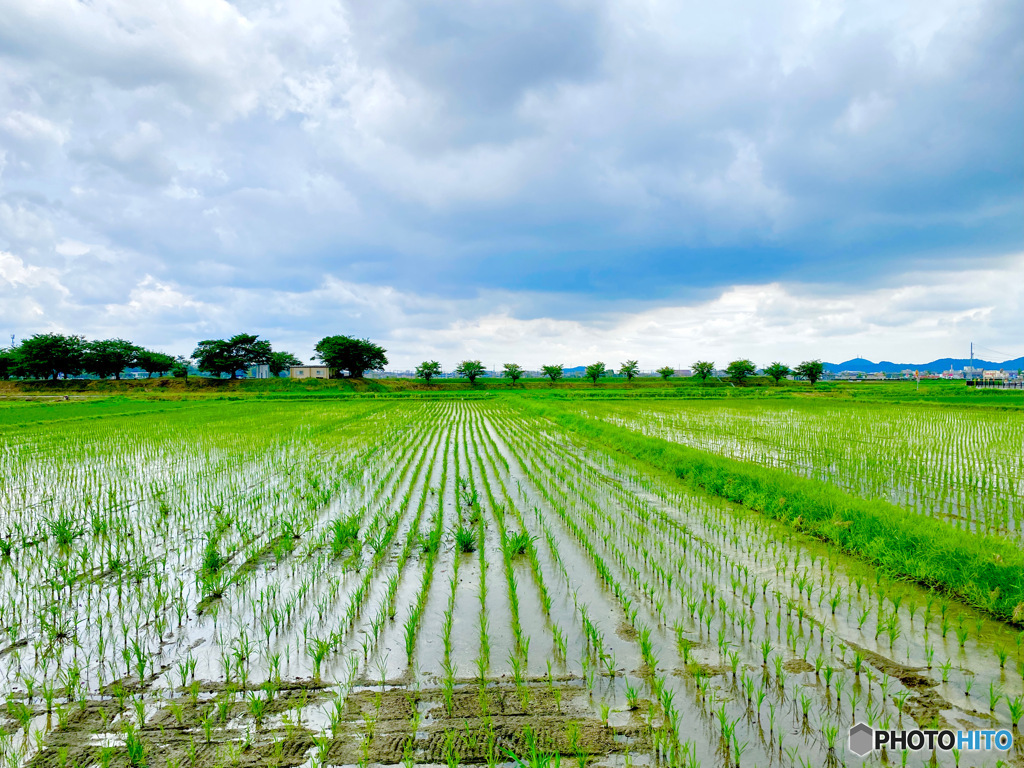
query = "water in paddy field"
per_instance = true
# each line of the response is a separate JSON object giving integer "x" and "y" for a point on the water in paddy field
{"x": 639, "y": 623}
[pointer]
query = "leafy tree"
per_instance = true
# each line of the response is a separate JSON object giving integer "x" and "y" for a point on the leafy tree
{"x": 513, "y": 371}
{"x": 346, "y": 353}
{"x": 810, "y": 370}
{"x": 154, "y": 362}
{"x": 220, "y": 356}
{"x": 181, "y": 366}
{"x": 108, "y": 357}
{"x": 594, "y": 371}
{"x": 629, "y": 369}
{"x": 739, "y": 370}
{"x": 666, "y": 372}
{"x": 51, "y": 354}
{"x": 279, "y": 361}
{"x": 777, "y": 371}
{"x": 428, "y": 369}
{"x": 470, "y": 369}
{"x": 703, "y": 369}
{"x": 553, "y": 372}
{"x": 8, "y": 363}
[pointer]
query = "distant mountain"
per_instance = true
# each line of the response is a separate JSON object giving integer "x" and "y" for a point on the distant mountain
{"x": 936, "y": 366}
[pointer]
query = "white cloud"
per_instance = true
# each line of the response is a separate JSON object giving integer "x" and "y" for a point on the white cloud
{"x": 502, "y": 150}
{"x": 25, "y": 125}
{"x": 68, "y": 247}
{"x": 937, "y": 314}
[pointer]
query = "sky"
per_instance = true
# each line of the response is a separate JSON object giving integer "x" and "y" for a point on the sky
{"x": 538, "y": 181}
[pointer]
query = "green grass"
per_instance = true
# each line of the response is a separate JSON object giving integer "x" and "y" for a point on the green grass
{"x": 930, "y": 391}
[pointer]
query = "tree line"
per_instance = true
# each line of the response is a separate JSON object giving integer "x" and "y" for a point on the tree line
{"x": 737, "y": 371}
{"x": 51, "y": 355}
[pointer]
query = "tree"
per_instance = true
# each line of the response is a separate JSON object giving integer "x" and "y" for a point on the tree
{"x": 51, "y": 354}
{"x": 345, "y": 353}
{"x": 279, "y": 361}
{"x": 428, "y": 369}
{"x": 470, "y": 369}
{"x": 666, "y": 372}
{"x": 154, "y": 362}
{"x": 777, "y": 371}
{"x": 703, "y": 369}
{"x": 739, "y": 370}
{"x": 513, "y": 371}
{"x": 220, "y": 356}
{"x": 553, "y": 372}
{"x": 8, "y": 363}
{"x": 594, "y": 371}
{"x": 181, "y": 366}
{"x": 629, "y": 369}
{"x": 108, "y": 357}
{"x": 810, "y": 369}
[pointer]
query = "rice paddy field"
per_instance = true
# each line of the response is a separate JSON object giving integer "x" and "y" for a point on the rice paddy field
{"x": 504, "y": 580}
{"x": 965, "y": 466}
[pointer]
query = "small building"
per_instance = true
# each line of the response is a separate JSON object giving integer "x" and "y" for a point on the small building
{"x": 973, "y": 373}
{"x": 259, "y": 372}
{"x": 310, "y": 372}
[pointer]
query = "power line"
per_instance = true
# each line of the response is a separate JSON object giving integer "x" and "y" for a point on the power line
{"x": 1007, "y": 355}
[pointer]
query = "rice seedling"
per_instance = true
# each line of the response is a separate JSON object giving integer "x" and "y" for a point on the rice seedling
{"x": 518, "y": 543}
{"x": 1016, "y": 709}
{"x": 466, "y": 539}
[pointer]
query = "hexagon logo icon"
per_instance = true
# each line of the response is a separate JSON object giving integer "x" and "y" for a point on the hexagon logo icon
{"x": 862, "y": 737}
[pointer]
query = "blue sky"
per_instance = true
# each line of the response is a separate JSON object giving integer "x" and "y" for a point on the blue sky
{"x": 555, "y": 181}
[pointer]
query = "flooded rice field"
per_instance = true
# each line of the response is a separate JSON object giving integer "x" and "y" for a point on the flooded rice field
{"x": 965, "y": 466}
{"x": 325, "y": 583}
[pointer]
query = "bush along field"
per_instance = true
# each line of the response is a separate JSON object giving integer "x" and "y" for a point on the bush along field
{"x": 499, "y": 581}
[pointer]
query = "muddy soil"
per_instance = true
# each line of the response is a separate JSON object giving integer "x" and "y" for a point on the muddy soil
{"x": 470, "y": 724}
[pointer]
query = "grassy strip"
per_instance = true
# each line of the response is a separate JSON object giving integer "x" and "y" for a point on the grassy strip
{"x": 984, "y": 571}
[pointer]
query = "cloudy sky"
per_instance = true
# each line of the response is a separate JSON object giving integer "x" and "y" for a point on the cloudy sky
{"x": 534, "y": 181}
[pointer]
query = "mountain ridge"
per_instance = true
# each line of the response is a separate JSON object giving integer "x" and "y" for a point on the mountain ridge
{"x": 935, "y": 366}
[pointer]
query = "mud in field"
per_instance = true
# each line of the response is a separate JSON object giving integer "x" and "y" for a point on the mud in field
{"x": 469, "y": 723}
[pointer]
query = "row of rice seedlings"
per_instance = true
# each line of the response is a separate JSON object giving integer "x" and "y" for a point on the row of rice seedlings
{"x": 319, "y": 649}
{"x": 665, "y": 735}
{"x": 650, "y": 656}
{"x": 596, "y": 659}
{"x": 430, "y": 545}
{"x": 156, "y": 600}
{"x": 379, "y": 532}
{"x": 833, "y": 603}
{"x": 138, "y": 643}
{"x": 270, "y": 612}
{"x": 277, "y": 617}
{"x": 208, "y": 554}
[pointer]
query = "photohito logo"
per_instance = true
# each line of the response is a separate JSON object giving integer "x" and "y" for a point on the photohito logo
{"x": 864, "y": 739}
